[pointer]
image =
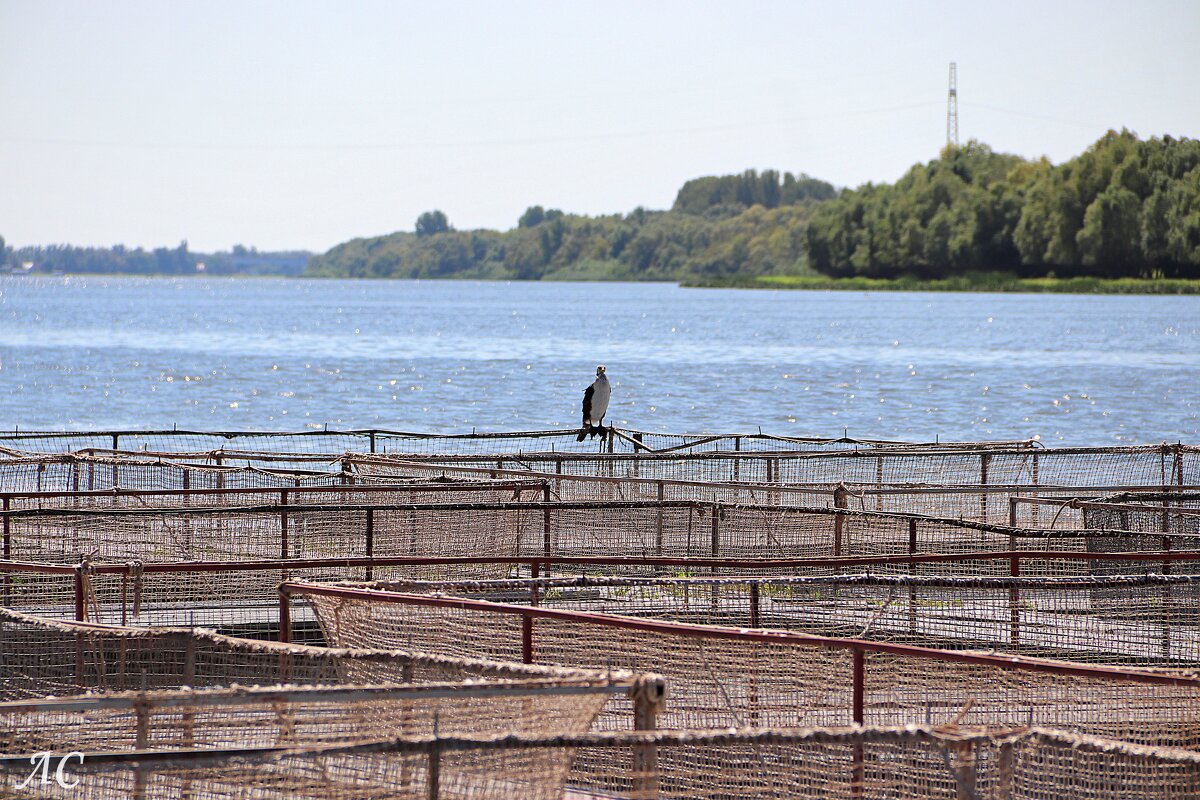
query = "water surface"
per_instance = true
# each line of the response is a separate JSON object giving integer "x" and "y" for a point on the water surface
{"x": 242, "y": 354}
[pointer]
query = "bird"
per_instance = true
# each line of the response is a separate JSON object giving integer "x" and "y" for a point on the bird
{"x": 595, "y": 405}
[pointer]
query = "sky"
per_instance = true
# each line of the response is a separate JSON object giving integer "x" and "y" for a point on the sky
{"x": 303, "y": 124}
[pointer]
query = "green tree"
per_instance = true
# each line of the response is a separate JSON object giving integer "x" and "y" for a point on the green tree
{"x": 432, "y": 222}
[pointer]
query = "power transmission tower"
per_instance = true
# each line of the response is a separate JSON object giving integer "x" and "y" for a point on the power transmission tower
{"x": 952, "y": 109}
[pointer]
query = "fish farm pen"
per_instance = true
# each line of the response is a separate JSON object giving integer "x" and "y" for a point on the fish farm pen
{"x": 374, "y": 614}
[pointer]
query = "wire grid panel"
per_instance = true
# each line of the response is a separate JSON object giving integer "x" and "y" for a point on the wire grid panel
{"x": 395, "y": 493}
{"x": 728, "y": 676}
{"x": 1149, "y": 620}
{"x": 42, "y": 657}
{"x": 75, "y": 473}
{"x": 1081, "y": 467}
{"x": 292, "y": 716}
{"x": 868, "y": 763}
{"x": 278, "y": 531}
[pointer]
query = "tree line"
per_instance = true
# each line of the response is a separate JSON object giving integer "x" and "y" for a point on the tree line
{"x": 1123, "y": 208}
{"x": 121, "y": 260}
{"x": 747, "y": 224}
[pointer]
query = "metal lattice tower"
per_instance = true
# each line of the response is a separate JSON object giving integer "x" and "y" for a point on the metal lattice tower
{"x": 952, "y": 108}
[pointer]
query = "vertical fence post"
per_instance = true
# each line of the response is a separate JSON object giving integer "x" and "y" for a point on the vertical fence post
{"x": 840, "y": 501}
{"x": 547, "y": 523}
{"x": 856, "y": 782}
{"x": 283, "y": 524}
{"x": 965, "y": 777}
{"x": 370, "y": 541}
{"x": 646, "y": 698}
{"x": 7, "y": 548}
{"x": 435, "y": 769}
{"x": 371, "y": 438}
{"x": 658, "y": 534}
{"x": 1014, "y": 604}
{"x": 1004, "y": 771}
{"x": 984, "y": 461}
{"x": 285, "y": 615}
{"x": 1035, "y": 511}
{"x": 754, "y": 618}
{"x": 80, "y": 601}
{"x": 527, "y": 619}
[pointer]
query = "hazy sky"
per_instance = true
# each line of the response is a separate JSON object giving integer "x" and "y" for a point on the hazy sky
{"x": 303, "y": 124}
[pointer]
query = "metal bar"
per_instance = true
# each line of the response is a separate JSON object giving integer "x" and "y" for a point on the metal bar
{"x": 754, "y": 617}
{"x": 753, "y": 565}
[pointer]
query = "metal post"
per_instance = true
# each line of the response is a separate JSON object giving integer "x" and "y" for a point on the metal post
{"x": 856, "y": 781}
{"x": 658, "y": 536}
{"x": 283, "y": 524}
{"x": 547, "y": 524}
{"x": 984, "y": 461}
{"x": 370, "y": 540}
{"x": 840, "y": 501}
{"x": 1014, "y": 604}
{"x": 7, "y": 549}
{"x": 435, "y": 769}
{"x": 80, "y": 606}
{"x": 754, "y": 619}
{"x": 860, "y": 689}
{"x": 285, "y": 616}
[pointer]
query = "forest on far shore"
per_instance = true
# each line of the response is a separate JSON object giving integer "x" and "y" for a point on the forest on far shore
{"x": 1123, "y": 209}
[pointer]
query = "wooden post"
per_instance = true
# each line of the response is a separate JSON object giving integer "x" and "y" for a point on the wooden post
{"x": 965, "y": 777}
{"x": 646, "y": 701}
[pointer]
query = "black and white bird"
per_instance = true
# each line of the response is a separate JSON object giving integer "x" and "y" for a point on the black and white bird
{"x": 595, "y": 405}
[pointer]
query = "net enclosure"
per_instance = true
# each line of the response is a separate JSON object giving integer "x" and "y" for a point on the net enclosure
{"x": 41, "y": 658}
{"x": 870, "y": 763}
{"x": 729, "y": 676}
{"x": 1136, "y": 620}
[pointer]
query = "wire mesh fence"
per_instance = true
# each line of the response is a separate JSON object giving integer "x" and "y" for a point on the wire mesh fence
{"x": 1142, "y": 620}
{"x": 734, "y": 677}
{"x": 769, "y": 764}
{"x": 41, "y": 658}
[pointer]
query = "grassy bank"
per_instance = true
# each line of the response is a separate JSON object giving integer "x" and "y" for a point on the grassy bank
{"x": 971, "y": 282}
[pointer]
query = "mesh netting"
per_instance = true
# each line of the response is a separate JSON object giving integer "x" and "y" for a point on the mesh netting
{"x": 1116, "y": 466}
{"x": 1145, "y": 620}
{"x": 371, "y": 441}
{"x": 869, "y": 763}
{"x": 724, "y": 676}
{"x": 42, "y": 657}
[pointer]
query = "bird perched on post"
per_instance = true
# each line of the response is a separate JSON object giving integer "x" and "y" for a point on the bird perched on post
{"x": 595, "y": 405}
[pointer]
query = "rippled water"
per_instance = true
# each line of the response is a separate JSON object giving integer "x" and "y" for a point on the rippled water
{"x": 242, "y": 354}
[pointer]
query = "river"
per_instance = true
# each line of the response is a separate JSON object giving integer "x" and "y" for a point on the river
{"x": 276, "y": 354}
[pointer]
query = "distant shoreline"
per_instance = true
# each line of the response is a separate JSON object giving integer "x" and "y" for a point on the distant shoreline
{"x": 971, "y": 282}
